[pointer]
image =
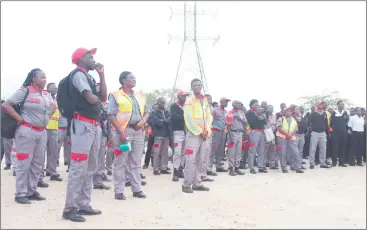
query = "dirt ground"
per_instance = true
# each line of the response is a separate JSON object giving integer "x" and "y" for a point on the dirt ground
{"x": 320, "y": 198}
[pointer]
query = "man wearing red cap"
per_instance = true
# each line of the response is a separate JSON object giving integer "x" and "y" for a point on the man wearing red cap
{"x": 85, "y": 134}
{"x": 178, "y": 129}
{"x": 319, "y": 127}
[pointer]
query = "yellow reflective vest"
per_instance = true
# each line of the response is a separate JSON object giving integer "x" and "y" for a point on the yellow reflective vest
{"x": 287, "y": 127}
{"x": 125, "y": 106}
{"x": 53, "y": 123}
{"x": 197, "y": 115}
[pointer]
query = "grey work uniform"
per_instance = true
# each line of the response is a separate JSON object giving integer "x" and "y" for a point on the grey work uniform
{"x": 318, "y": 136}
{"x": 109, "y": 157}
{"x": 178, "y": 150}
{"x": 85, "y": 140}
{"x": 218, "y": 138}
{"x": 234, "y": 141}
{"x": 8, "y": 143}
{"x": 52, "y": 147}
{"x": 127, "y": 163}
{"x": 270, "y": 147}
{"x": 97, "y": 179}
{"x": 290, "y": 146}
{"x": 63, "y": 139}
{"x": 14, "y": 159}
{"x": 31, "y": 138}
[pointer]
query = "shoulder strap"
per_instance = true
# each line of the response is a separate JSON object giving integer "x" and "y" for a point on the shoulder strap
{"x": 25, "y": 98}
{"x": 71, "y": 75}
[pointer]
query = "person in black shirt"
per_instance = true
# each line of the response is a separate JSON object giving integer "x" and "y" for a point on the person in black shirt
{"x": 319, "y": 125}
{"x": 148, "y": 153}
{"x": 178, "y": 129}
{"x": 300, "y": 134}
{"x": 257, "y": 124}
{"x": 339, "y": 126}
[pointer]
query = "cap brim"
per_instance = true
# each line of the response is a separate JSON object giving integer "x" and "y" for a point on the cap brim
{"x": 93, "y": 51}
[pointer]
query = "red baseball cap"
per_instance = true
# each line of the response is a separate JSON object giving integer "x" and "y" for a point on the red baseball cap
{"x": 182, "y": 93}
{"x": 319, "y": 102}
{"x": 80, "y": 52}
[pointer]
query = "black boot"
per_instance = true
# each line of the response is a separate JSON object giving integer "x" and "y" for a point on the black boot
{"x": 7, "y": 167}
{"x": 175, "y": 175}
{"x": 232, "y": 172}
{"x": 239, "y": 172}
{"x": 181, "y": 172}
{"x": 73, "y": 215}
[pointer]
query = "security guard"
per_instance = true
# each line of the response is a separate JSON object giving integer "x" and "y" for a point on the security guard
{"x": 197, "y": 117}
{"x": 286, "y": 139}
{"x": 219, "y": 136}
{"x": 236, "y": 129}
{"x": 30, "y": 135}
{"x": 85, "y": 135}
{"x": 52, "y": 138}
{"x": 128, "y": 113}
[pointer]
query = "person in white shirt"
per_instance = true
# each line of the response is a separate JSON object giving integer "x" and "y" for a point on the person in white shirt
{"x": 356, "y": 128}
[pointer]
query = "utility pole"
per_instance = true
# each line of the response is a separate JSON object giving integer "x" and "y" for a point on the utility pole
{"x": 190, "y": 61}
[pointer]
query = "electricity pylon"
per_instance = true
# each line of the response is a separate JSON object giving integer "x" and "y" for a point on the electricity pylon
{"x": 190, "y": 62}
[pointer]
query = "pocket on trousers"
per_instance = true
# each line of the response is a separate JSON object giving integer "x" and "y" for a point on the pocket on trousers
{"x": 22, "y": 156}
{"x": 79, "y": 156}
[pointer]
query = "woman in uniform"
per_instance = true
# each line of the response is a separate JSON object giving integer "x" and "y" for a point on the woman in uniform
{"x": 30, "y": 135}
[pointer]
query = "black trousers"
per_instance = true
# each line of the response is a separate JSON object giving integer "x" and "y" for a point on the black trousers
{"x": 306, "y": 147}
{"x": 328, "y": 147}
{"x": 148, "y": 154}
{"x": 356, "y": 148}
{"x": 338, "y": 145}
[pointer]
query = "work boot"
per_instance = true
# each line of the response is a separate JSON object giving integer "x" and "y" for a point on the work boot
{"x": 239, "y": 172}
{"x": 221, "y": 169}
{"x": 55, "y": 178}
{"x": 142, "y": 176}
{"x": 139, "y": 194}
{"x": 200, "y": 188}
{"x": 73, "y": 215}
{"x": 359, "y": 164}
{"x": 42, "y": 184}
{"x": 312, "y": 166}
{"x": 36, "y": 196}
{"x": 145, "y": 166}
{"x": 22, "y": 200}
{"x": 181, "y": 172}
{"x": 156, "y": 172}
{"x": 303, "y": 167}
{"x": 343, "y": 165}
{"x": 127, "y": 184}
{"x": 89, "y": 212}
{"x": 175, "y": 175}
{"x": 285, "y": 171}
{"x": 325, "y": 166}
{"x": 263, "y": 170}
{"x": 120, "y": 196}
{"x": 211, "y": 173}
{"x": 274, "y": 167}
{"x": 299, "y": 171}
{"x": 143, "y": 183}
{"x": 207, "y": 179}
{"x": 232, "y": 172}
{"x": 109, "y": 173}
{"x": 327, "y": 163}
{"x": 167, "y": 172}
{"x": 187, "y": 189}
{"x": 102, "y": 187}
{"x": 267, "y": 165}
{"x": 48, "y": 174}
{"x": 242, "y": 166}
{"x": 7, "y": 167}
{"x": 253, "y": 171}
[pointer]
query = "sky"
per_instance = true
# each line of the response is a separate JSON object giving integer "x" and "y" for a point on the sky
{"x": 272, "y": 51}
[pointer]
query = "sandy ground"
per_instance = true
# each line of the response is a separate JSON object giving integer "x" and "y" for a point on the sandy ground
{"x": 320, "y": 198}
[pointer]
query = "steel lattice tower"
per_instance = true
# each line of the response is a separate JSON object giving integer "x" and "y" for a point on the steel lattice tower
{"x": 190, "y": 61}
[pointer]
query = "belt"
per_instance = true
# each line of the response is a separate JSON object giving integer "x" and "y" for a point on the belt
{"x": 62, "y": 128}
{"x": 217, "y": 130}
{"x": 237, "y": 131}
{"x": 258, "y": 130}
{"x": 86, "y": 119}
{"x": 360, "y": 132}
{"x": 32, "y": 127}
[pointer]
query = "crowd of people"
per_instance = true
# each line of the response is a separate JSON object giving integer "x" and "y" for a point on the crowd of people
{"x": 105, "y": 136}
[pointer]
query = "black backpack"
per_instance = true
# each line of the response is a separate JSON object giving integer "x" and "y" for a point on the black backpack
{"x": 65, "y": 99}
{"x": 9, "y": 124}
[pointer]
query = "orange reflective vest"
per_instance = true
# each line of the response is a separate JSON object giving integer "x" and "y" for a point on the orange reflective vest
{"x": 125, "y": 107}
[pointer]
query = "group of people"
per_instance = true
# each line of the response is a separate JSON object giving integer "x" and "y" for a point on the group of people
{"x": 201, "y": 133}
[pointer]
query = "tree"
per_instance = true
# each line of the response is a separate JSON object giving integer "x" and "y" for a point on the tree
{"x": 168, "y": 94}
{"x": 330, "y": 99}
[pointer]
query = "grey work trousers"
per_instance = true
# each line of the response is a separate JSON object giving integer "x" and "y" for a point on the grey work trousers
{"x": 234, "y": 145}
{"x": 256, "y": 145}
{"x": 101, "y": 160}
{"x": 300, "y": 142}
{"x": 31, "y": 147}
{"x": 217, "y": 149}
{"x": 14, "y": 159}
{"x": 320, "y": 140}
{"x": 127, "y": 164}
{"x": 271, "y": 153}
{"x": 288, "y": 145}
{"x": 52, "y": 151}
{"x": 178, "y": 149}
{"x": 195, "y": 149}
{"x": 85, "y": 144}
{"x": 205, "y": 167}
{"x": 8, "y": 144}
{"x": 109, "y": 157}
{"x": 160, "y": 153}
{"x": 64, "y": 140}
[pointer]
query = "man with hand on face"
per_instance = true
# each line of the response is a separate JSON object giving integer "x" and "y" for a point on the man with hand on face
{"x": 159, "y": 120}
{"x": 219, "y": 136}
{"x": 178, "y": 128}
{"x": 85, "y": 134}
{"x": 197, "y": 117}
